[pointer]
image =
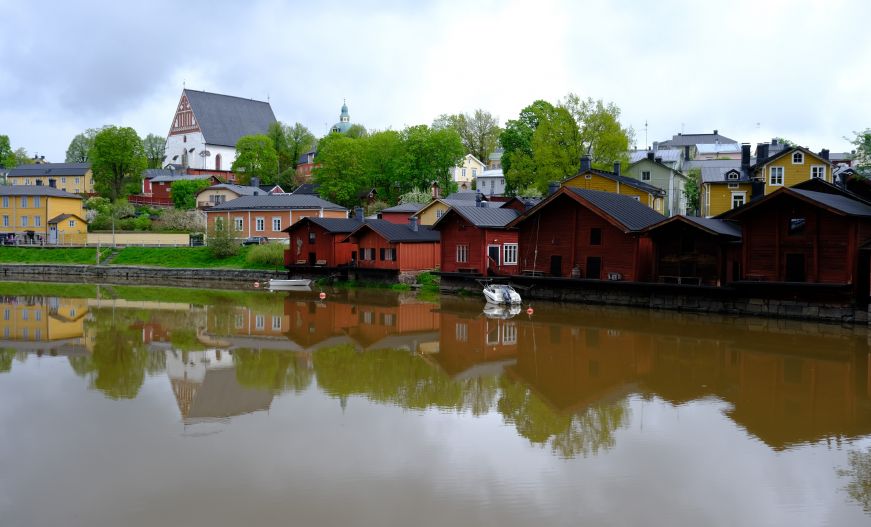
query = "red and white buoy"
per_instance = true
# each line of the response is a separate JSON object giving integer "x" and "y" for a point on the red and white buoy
{"x": 256, "y": 285}
{"x": 530, "y": 311}
{"x": 322, "y": 295}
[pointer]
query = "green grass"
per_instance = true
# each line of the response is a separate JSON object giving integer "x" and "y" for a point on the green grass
{"x": 196, "y": 257}
{"x": 37, "y": 255}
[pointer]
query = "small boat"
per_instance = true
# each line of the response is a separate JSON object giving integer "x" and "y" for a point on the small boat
{"x": 294, "y": 283}
{"x": 501, "y": 294}
{"x": 501, "y": 311}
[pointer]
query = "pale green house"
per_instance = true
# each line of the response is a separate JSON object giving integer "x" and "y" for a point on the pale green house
{"x": 653, "y": 171}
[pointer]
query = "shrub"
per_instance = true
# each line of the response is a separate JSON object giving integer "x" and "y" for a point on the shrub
{"x": 142, "y": 223}
{"x": 269, "y": 254}
{"x": 181, "y": 220}
{"x": 221, "y": 244}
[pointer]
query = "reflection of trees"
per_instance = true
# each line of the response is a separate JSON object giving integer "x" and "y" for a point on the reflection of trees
{"x": 398, "y": 377}
{"x": 859, "y": 487}
{"x": 271, "y": 370}
{"x": 569, "y": 435}
{"x": 6, "y": 356}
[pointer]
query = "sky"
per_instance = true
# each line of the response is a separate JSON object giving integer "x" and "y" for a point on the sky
{"x": 752, "y": 70}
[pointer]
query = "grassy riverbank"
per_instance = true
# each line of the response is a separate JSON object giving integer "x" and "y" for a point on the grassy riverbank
{"x": 62, "y": 255}
{"x": 173, "y": 257}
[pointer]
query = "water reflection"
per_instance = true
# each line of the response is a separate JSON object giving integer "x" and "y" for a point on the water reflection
{"x": 564, "y": 378}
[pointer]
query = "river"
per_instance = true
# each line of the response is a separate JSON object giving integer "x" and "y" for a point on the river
{"x": 135, "y": 406}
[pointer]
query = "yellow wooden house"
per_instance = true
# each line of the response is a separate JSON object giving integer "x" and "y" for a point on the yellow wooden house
{"x": 729, "y": 191}
{"x": 32, "y": 214}
{"x": 790, "y": 167}
{"x": 592, "y": 179}
{"x": 76, "y": 178}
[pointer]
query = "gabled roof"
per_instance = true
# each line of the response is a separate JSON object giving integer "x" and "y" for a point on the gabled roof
{"x": 180, "y": 177}
{"x": 277, "y": 202}
{"x": 839, "y": 204}
{"x": 223, "y": 119}
{"x": 777, "y": 155}
{"x": 50, "y": 169}
{"x": 623, "y": 180}
{"x": 396, "y": 233}
{"x": 61, "y": 217}
{"x": 659, "y": 164}
{"x": 333, "y": 225}
{"x": 714, "y": 170}
{"x": 475, "y": 158}
{"x": 482, "y": 217}
{"x": 696, "y": 139}
{"x": 668, "y": 155}
{"x": 463, "y": 201}
{"x": 239, "y": 190}
{"x": 404, "y": 207}
{"x": 306, "y": 188}
{"x": 821, "y": 185}
{"x": 624, "y": 212}
{"x": 150, "y": 173}
{"x": 303, "y": 159}
{"x": 35, "y": 190}
{"x": 713, "y": 226}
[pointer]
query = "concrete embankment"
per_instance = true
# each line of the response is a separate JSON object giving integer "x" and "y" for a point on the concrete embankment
{"x": 139, "y": 275}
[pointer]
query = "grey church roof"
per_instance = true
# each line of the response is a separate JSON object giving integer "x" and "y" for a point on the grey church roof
{"x": 223, "y": 119}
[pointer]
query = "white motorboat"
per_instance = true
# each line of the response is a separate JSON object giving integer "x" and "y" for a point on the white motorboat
{"x": 501, "y": 311}
{"x": 501, "y": 294}
{"x": 294, "y": 283}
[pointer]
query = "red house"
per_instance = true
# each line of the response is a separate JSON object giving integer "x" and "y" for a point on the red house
{"x": 798, "y": 235}
{"x": 691, "y": 250}
{"x": 320, "y": 242}
{"x": 475, "y": 240}
{"x": 583, "y": 233}
{"x": 157, "y": 184}
{"x": 404, "y": 248}
{"x": 400, "y": 213}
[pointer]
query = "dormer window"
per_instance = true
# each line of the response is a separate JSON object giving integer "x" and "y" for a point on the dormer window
{"x": 732, "y": 175}
{"x": 798, "y": 158}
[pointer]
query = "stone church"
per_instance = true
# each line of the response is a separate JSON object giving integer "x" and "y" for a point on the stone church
{"x": 206, "y": 127}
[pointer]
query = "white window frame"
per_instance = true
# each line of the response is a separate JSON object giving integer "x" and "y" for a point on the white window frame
{"x": 5, "y": 220}
{"x": 276, "y": 224}
{"x": 36, "y": 202}
{"x": 72, "y": 223}
{"x": 771, "y": 176}
{"x": 23, "y": 202}
{"x": 462, "y": 253}
{"x": 259, "y": 322}
{"x": 509, "y": 254}
{"x": 5, "y": 201}
{"x": 800, "y": 156}
{"x": 733, "y": 176}
{"x": 509, "y": 334}
{"x": 734, "y": 185}
{"x": 239, "y": 224}
{"x": 24, "y": 221}
{"x": 37, "y": 221}
{"x": 474, "y": 172}
{"x": 439, "y": 213}
{"x": 742, "y": 195}
{"x": 260, "y": 224}
{"x": 461, "y": 331}
{"x": 819, "y": 168}
{"x": 276, "y": 323}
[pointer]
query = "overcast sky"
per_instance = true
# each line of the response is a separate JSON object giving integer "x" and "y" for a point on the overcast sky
{"x": 750, "y": 69}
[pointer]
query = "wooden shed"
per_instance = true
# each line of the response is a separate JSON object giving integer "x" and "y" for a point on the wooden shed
{"x": 404, "y": 248}
{"x": 695, "y": 251}
{"x": 582, "y": 233}
{"x": 320, "y": 242}
{"x": 475, "y": 240}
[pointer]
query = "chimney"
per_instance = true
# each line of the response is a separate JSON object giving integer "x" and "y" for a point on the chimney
{"x": 658, "y": 159}
{"x": 434, "y": 190}
{"x": 824, "y": 153}
{"x": 617, "y": 167}
{"x": 651, "y": 156}
{"x": 412, "y": 223}
{"x": 552, "y": 187}
{"x": 358, "y": 213}
{"x": 773, "y": 141}
{"x": 715, "y": 132}
{"x": 761, "y": 152}
{"x": 655, "y": 146}
{"x": 478, "y": 198}
{"x": 686, "y": 152}
{"x": 586, "y": 163}
{"x": 255, "y": 182}
{"x": 745, "y": 157}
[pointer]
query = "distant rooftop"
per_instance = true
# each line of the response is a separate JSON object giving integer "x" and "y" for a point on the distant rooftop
{"x": 682, "y": 139}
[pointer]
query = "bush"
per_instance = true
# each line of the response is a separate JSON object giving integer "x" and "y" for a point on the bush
{"x": 142, "y": 223}
{"x": 268, "y": 254}
{"x": 221, "y": 244}
{"x": 181, "y": 220}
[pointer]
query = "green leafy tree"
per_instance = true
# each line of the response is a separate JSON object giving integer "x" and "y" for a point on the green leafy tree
{"x": 555, "y": 149}
{"x": 516, "y": 141}
{"x": 184, "y": 192}
{"x": 299, "y": 141}
{"x": 601, "y": 134}
{"x": 382, "y": 156}
{"x": 220, "y": 242}
{"x": 7, "y": 156}
{"x": 862, "y": 142}
{"x": 256, "y": 157}
{"x": 290, "y": 143}
{"x": 155, "y": 150}
{"x": 342, "y": 171}
{"x": 117, "y": 160}
{"x": 79, "y": 150}
{"x": 278, "y": 135}
{"x": 428, "y": 156}
{"x": 692, "y": 190}
{"x": 479, "y": 131}
{"x": 355, "y": 131}
{"x": 416, "y": 196}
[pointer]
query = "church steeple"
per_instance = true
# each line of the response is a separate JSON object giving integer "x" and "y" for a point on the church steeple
{"x": 344, "y": 117}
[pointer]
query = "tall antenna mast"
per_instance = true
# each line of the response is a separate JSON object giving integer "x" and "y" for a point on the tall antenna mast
{"x": 645, "y": 135}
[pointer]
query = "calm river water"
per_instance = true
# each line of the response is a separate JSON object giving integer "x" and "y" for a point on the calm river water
{"x": 126, "y": 406}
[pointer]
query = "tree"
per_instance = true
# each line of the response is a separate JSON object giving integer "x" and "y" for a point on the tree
{"x": 155, "y": 150}
{"x": 117, "y": 160}
{"x": 290, "y": 143}
{"x": 428, "y": 155}
{"x": 356, "y": 131}
{"x": 416, "y": 196}
{"x": 601, "y": 134}
{"x": 342, "y": 171}
{"x": 256, "y": 157}
{"x": 382, "y": 156}
{"x": 278, "y": 135}
{"x": 516, "y": 140}
{"x": 79, "y": 150}
{"x": 479, "y": 131}
{"x": 862, "y": 142}
{"x": 220, "y": 242}
{"x": 7, "y": 156}
{"x": 299, "y": 141}
{"x": 555, "y": 149}
{"x": 692, "y": 190}
{"x": 184, "y": 192}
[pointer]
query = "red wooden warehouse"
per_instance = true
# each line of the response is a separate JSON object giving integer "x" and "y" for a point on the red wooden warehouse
{"x": 582, "y": 233}
{"x": 320, "y": 242}
{"x": 403, "y": 248}
{"x": 474, "y": 240}
{"x": 691, "y": 250}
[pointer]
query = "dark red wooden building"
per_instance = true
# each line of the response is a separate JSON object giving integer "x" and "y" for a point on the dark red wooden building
{"x": 695, "y": 251}
{"x": 404, "y": 248}
{"x": 584, "y": 233}
{"x": 474, "y": 240}
{"x": 797, "y": 235}
{"x": 399, "y": 214}
{"x": 321, "y": 242}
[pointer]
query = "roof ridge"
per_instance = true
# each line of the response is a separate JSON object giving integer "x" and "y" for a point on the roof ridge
{"x": 225, "y": 95}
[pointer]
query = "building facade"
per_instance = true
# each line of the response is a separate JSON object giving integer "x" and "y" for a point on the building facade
{"x": 41, "y": 215}
{"x": 75, "y": 178}
{"x": 268, "y": 215}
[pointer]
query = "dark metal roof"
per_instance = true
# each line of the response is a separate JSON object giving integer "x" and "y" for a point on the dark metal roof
{"x": 484, "y": 216}
{"x": 712, "y": 225}
{"x": 696, "y": 139}
{"x": 150, "y": 173}
{"x": 632, "y": 182}
{"x": 336, "y": 225}
{"x": 35, "y": 190}
{"x": 223, "y": 119}
{"x": 241, "y": 190}
{"x": 179, "y": 177}
{"x": 843, "y": 204}
{"x": 306, "y": 188}
{"x": 277, "y": 202}
{"x": 626, "y": 210}
{"x": 468, "y": 195}
{"x": 404, "y": 207}
{"x": 61, "y": 217}
{"x": 393, "y": 232}
{"x": 50, "y": 169}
